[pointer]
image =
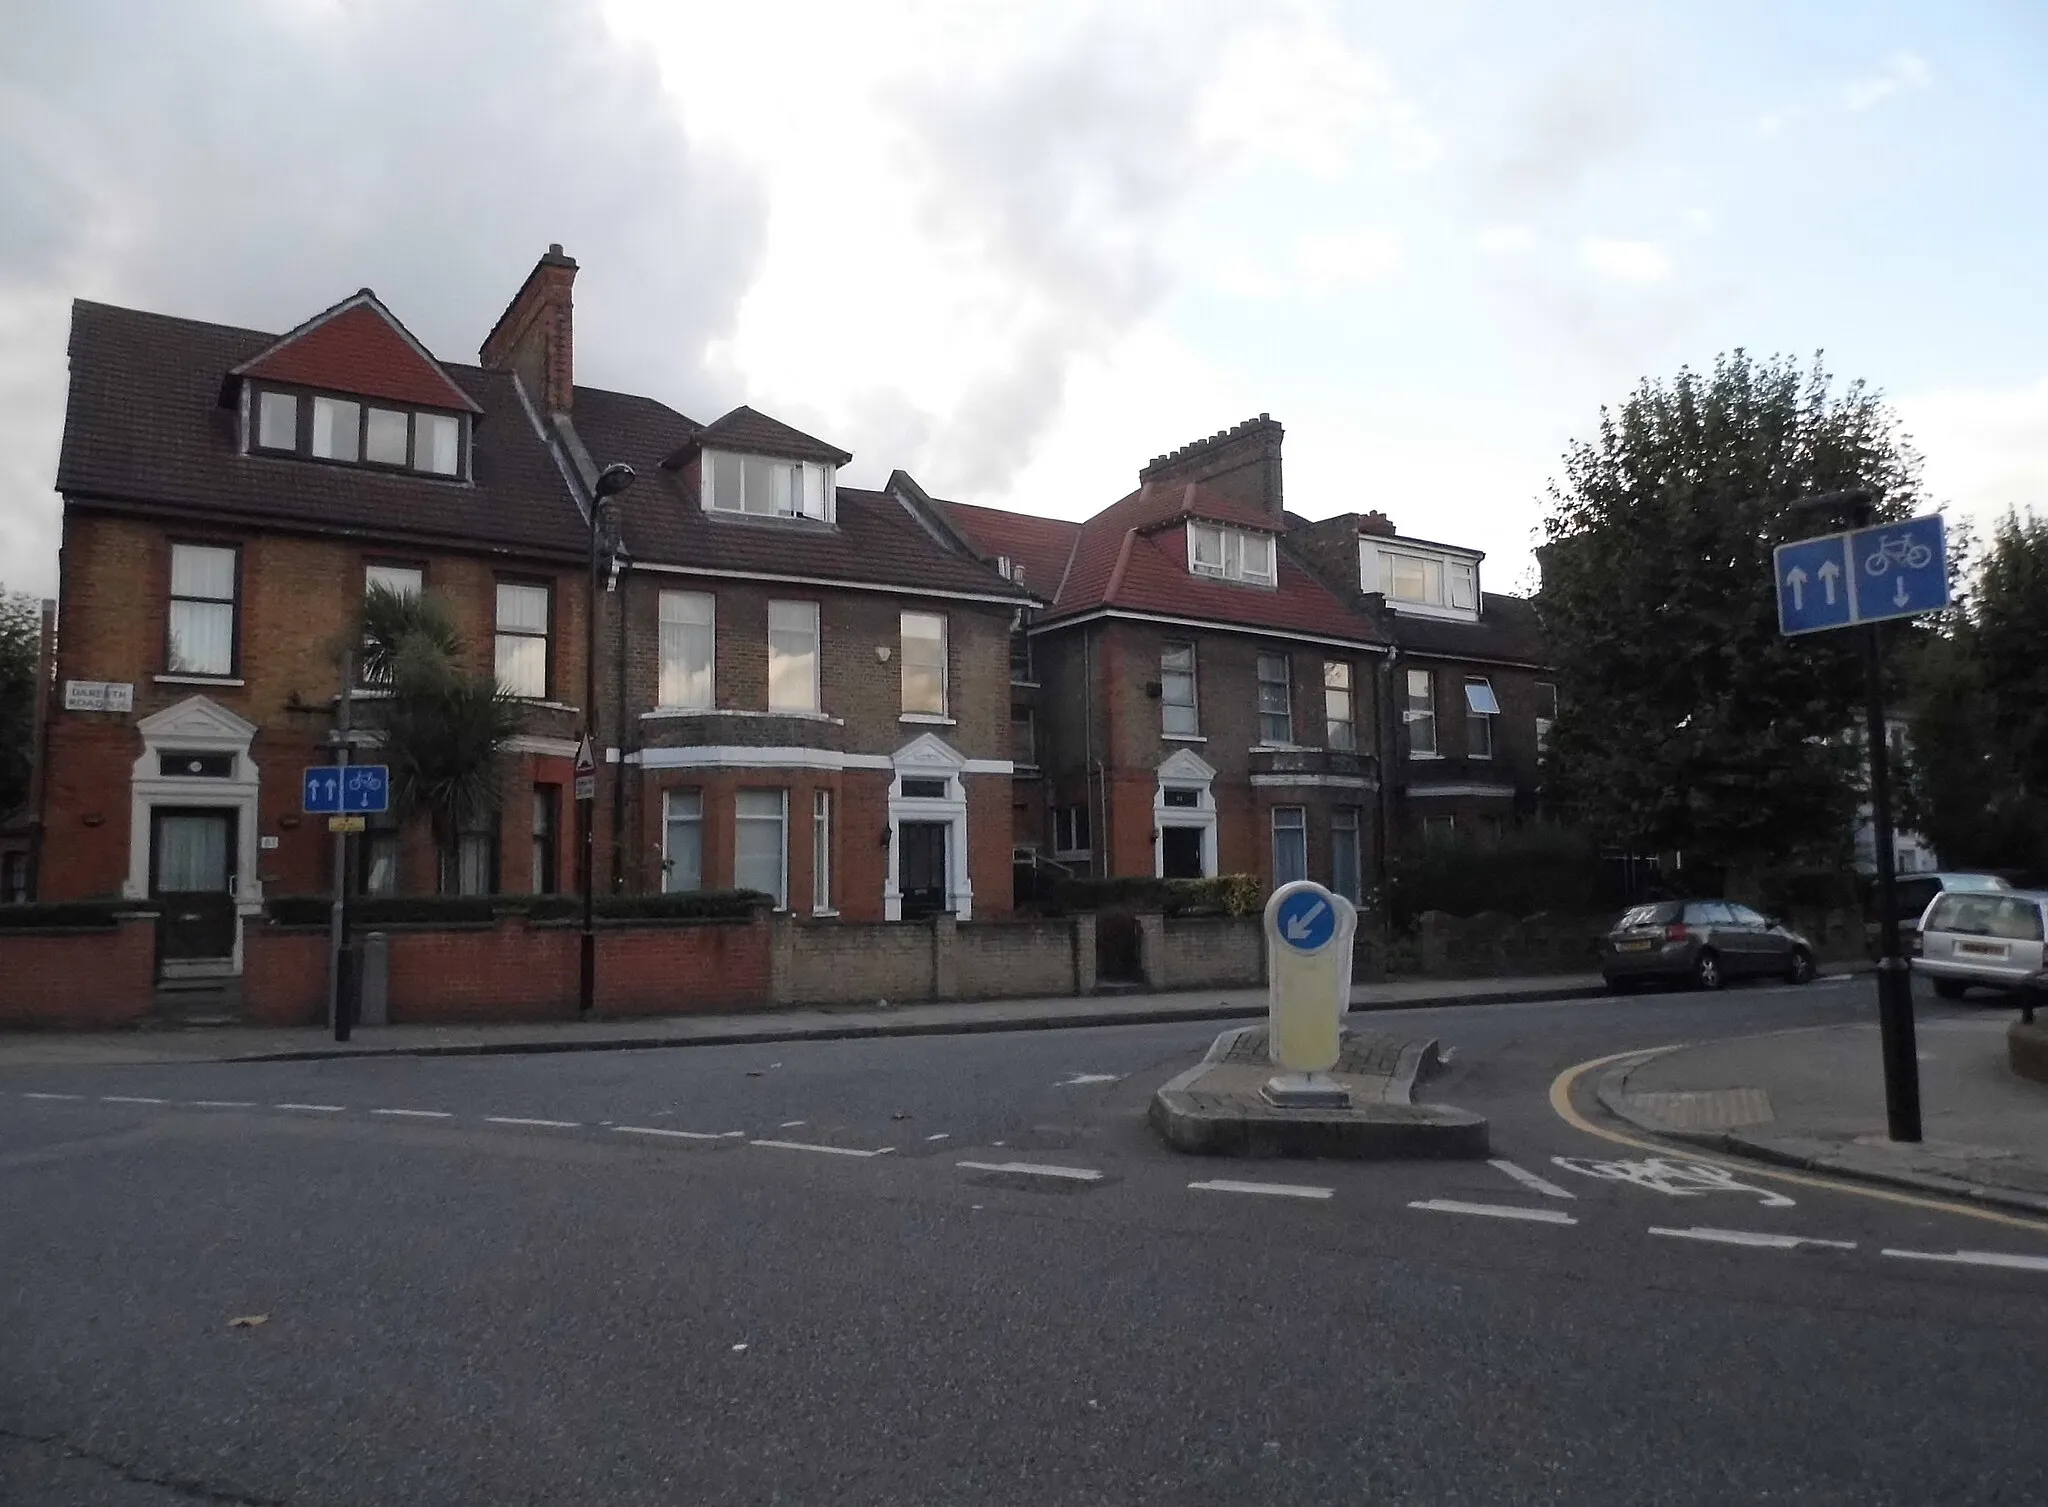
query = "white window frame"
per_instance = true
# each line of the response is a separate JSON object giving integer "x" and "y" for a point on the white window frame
{"x": 1296, "y": 824}
{"x": 821, "y": 854}
{"x": 1063, "y": 830}
{"x": 1168, "y": 651}
{"x": 1337, "y": 682}
{"x": 1286, "y": 685}
{"x": 818, "y": 480}
{"x": 903, "y": 640}
{"x": 1236, "y": 554}
{"x": 546, "y": 636}
{"x": 1348, "y": 819}
{"x": 681, "y": 808}
{"x": 817, "y": 657}
{"x": 740, "y": 819}
{"x": 1449, "y": 585}
{"x": 211, "y": 603}
{"x": 693, "y": 614}
{"x": 1411, "y": 717}
{"x": 1481, "y": 707}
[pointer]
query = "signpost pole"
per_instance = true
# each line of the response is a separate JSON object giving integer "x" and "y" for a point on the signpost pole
{"x": 1894, "y": 980}
{"x": 337, "y": 930}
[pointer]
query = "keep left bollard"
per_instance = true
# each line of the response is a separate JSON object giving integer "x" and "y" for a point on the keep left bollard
{"x": 1309, "y": 937}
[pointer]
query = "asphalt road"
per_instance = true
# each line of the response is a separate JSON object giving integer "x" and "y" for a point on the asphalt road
{"x": 763, "y": 1275}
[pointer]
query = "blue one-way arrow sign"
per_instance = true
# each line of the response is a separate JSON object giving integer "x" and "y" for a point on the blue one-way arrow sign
{"x": 1886, "y": 571}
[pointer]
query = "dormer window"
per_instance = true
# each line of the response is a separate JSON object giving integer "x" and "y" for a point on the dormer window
{"x": 1424, "y": 579}
{"x": 353, "y": 432}
{"x": 762, "y": 487}
{"x": 1230, "y": 554}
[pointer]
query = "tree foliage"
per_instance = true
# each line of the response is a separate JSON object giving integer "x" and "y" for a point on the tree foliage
{"x": 1686, "y": 721}
{"x": 21, "y": 631}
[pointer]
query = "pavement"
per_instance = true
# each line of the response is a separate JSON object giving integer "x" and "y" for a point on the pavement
{"x": 256, "y": 1043}
{"x": 1814, "y": 1098}
{"x": 961, "y": 1269}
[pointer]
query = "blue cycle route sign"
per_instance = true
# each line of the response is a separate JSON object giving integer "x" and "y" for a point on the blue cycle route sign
{"x": 360, "y": 788}
{"x": 1306, "y": 921}
{"x": 1866, "y": 575}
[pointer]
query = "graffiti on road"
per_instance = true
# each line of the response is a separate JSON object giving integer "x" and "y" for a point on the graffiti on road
{"x": 1679, "y": 1179}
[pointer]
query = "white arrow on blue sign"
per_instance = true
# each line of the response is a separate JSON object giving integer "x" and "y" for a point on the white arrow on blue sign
{"x": 1306, "y": 921}
{"x": 360, "y": 788}
{"x": 1866, "y": 575}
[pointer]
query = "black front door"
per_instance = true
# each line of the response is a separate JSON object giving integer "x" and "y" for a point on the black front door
{"x": 1180, "y": 852}
{"x": 192, "y": 872}
{"x": 921, "y": 868}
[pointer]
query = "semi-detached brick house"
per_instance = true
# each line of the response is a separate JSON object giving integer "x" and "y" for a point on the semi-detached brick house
{"x": 803, "y": 685}
{"x": 1200, "y": 703}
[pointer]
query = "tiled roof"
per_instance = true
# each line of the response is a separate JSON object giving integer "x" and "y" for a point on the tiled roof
{"x": 145, "y": 425}
{"x": 359, "y": 347}
{"x": 1508, "y": 629}
{"x": 1133, "y": 555}
{"x": 752, "y": 432}
{"x": 875, "y": 540}
{"x": 1041, "y": 546}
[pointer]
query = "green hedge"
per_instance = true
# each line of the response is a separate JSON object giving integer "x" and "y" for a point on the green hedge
{"x": 1527, "y": 869}
{"x": 1225, "y": 895}
{"x": 81, "y": 915}
{"x": 386, "y": 910}
{"x": 695, "y": 905}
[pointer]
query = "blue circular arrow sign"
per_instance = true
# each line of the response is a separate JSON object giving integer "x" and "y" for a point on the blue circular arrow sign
{"x": 1306, "y": 920}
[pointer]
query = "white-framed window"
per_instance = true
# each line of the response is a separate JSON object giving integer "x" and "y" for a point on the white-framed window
{"x": 792, "y": 656}
{"x": 1230, "y": 554}
{"x": 1177, "y": 711}
{"x": 202, "y": 626}
{"x": 1345, "y": 866}
{"x": 1023, "y": 738}
{"x": 337, "y": 429}
{"x": 1428, "y": 580}
{"x": 1480, "y": 710}
{"x": 1340, "y": 727}
{"x": 682, "y": 841}
{"x": 1418, "y": 714}
{"x": 924, "y": 663}
{"x": 1290, "y": 844}
{"x": 821, "y": 852}
{"x": 403, "y": 580}
{"x": 1546, "y": 713}
{"x": 1439, "y": 828}
{"x": 688, "y": 634}
{"x": 522, "y": 639}
{"x": 1276, "y": 700}
{"x": 1020, "y": 659}
{"x": 1070, "y": 831}
{"x": 760, "y": 843}
{"x": 277, "y": 421}
{"x": 767, "y": 488}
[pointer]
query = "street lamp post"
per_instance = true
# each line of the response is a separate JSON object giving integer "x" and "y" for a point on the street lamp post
{"x": 611, "y": 481}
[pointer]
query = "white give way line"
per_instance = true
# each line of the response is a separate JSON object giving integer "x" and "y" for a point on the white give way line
{"x": 1530, "y": 1180}
{"x": 1493, "y": 1211}
{"x": 1755, "y": 1238}
{"x": 1035, "y": 1169}
{"x": 1273, "y": 1190}
{"x": 1977, "y": 1258}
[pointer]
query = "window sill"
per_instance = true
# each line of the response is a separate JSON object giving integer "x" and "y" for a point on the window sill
{"x": 933, "y": 719}
{"x": 1029, "y": 769}
{"x": 1182, "y": 738}
{"x": 824, "y": 915}
{"x": 544, "y": 703}
{"x": 1417, "y": 758}
{"x": 220, "y": 680}
{"x": 1073, "y": 855}
{"x": 1024, "y": 685}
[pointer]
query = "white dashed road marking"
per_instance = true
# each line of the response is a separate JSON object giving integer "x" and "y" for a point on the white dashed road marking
{"x": 52, "y": 1096}
{"x": 223, "y": 1103}
{"x": 1081, "y": 1079}
{"x": 1977, "y": 1258}
{"x": 673, "y": 1135}
{"x": 1493, "y": 1211}
{"x": 415, "y": 1114}
{"x": 1753, "y": 1238}
{"x": 828, "y": 1150}
{"x": 790, "y": 1124}
{"x": 1035, "y": 1169}
{"x": 1530, "y": 1180}
{"x": 1277, "y": 1190}
{"x": 521, "y": 1120}
{"x": 941, "y": 1136}
{"x": 319, "y": 1109}
{"x": 129, "y": 1099}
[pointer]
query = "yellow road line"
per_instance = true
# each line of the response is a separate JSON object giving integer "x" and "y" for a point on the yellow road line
{"x": 1561, "y": 1101}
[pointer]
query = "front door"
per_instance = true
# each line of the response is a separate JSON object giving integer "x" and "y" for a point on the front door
{"x": 921, "y": 868}
{"x": 192, "y": 872}
{"x": 1180, "y": 852}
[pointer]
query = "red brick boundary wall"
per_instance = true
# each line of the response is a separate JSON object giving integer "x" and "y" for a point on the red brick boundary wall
{"x": 73, "y": 978}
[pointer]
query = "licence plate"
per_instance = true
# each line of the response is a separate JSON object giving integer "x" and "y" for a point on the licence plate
{"x": 1631, "y": 946}
{"x": 1982, "y": 949}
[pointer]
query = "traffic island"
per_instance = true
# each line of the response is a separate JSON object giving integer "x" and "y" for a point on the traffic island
{"x": 1222, "y": 1107}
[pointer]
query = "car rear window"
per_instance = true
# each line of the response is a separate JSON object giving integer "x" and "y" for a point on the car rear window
{"x": 1661, "y": 914}
{"x": 2010, "y": 918}
{"x": 1976, "y": 882}
{"x": 1914, "y": 895}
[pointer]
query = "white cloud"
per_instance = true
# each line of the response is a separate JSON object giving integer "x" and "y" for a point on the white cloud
{"x": 1901, "y": 73}
{"x": 1303, "y": 94}
{"x": 1986, "y": 449}
{"x": 1349, "y": 256}
{"x": 1505, "y": 240}
{"x": 1637, "y": 262}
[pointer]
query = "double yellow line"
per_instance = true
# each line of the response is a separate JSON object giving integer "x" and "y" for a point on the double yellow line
{"x": 1561, "y": 1101}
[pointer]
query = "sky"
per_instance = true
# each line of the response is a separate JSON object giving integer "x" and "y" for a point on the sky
{"x": 1019, "y": 249}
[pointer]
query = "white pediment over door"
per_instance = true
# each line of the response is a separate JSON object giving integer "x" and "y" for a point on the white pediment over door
{"x": 1187, "y": 765}
{"x": 196, "y": 720}
{"x": 928, "y": 751}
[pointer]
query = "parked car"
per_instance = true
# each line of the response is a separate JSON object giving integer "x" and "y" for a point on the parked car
{"x": 1917, "y": 892}
{"x": 1702, "y": 942}
{"x": 1991, "y": 938}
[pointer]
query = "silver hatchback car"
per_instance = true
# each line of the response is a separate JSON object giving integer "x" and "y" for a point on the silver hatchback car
{"x": 1989, "y": 938}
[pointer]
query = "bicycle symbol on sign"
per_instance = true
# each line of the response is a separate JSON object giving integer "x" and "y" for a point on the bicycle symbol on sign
{"x": 1901, "y": 550}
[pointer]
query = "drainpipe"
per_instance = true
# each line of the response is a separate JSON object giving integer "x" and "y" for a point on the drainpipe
{"x": 621, "y": 726}
{"x": 1096, "y": 836}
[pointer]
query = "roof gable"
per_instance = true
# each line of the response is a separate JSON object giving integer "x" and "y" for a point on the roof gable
{"x": 358, "y": 347}
{"x": 752, "y": 432}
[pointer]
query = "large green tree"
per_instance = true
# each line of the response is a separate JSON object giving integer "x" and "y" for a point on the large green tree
{"x": 21, "y": 628}
{"x": 1686, "y": 720}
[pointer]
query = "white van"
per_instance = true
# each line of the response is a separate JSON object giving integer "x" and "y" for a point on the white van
{"x": 1982, "y": 937}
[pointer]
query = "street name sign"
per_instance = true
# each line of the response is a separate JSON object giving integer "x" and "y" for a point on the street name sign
{"x": 359, "y": 788}
{"x": 1865, "y": 575}
{"x": 99, "y": 696}
{"x": 1309, "y": 932}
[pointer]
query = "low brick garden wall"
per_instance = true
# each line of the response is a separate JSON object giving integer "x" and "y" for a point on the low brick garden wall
{"x": 76, "y": 977}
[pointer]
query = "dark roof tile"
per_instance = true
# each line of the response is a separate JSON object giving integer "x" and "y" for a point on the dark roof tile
{"x": 752, "y": 432}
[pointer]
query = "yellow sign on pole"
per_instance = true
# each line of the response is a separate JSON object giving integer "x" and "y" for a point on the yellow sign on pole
{"x": 346, "y": 824}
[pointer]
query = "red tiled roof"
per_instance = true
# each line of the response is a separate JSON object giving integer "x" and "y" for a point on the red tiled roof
{"x": 358, "y": 347}
{"x": 1042, "y": 546}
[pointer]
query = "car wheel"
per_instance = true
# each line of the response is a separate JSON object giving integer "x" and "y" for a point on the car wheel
{"x": 1949, "y": 988}
{"x": 1706, "y": 970}
{"x": 1801, "y": 971}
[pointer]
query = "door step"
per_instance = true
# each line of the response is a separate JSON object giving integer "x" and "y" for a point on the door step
{"x": 199, "y": 1001}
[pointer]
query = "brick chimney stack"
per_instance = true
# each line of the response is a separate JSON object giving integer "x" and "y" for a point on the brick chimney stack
{"x": 1241, "y": 463}
{"x": 535, "y": 336}
{"x": 1376, "y": 522}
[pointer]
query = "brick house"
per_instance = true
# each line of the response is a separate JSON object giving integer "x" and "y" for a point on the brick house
{"x": 1199, "y": 702}
{"x": 1469, "y": 696}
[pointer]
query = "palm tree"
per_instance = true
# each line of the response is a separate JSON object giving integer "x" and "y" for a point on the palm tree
{"x": 444, "y": 726}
